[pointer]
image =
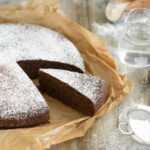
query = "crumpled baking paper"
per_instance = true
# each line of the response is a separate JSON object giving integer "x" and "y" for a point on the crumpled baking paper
{"x": 65, "y": 123}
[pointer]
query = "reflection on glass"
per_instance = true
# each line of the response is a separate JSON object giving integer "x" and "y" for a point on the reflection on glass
{"x": 134, "y": 46}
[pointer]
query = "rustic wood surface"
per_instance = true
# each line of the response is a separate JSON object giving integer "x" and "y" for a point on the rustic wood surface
{"x": 104, "y": 133}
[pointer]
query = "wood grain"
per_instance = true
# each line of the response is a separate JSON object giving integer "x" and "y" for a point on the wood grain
{"x": 104, "y": 133}
{"x": 84, "y": 12}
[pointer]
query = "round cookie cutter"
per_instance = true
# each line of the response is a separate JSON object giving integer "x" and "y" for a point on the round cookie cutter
{"x": 138, "y": 124}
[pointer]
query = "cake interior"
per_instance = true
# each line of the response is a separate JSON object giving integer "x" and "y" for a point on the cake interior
{"x": 31, "y": 67}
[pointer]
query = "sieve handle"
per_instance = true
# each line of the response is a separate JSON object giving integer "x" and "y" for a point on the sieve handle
{"x": 122, "y": 130}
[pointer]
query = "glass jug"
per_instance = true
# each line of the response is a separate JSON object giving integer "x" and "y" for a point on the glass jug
{"x": 134, "y": 46}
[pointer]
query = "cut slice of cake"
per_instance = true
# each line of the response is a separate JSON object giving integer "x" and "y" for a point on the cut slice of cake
{"x": 85, "y": 93}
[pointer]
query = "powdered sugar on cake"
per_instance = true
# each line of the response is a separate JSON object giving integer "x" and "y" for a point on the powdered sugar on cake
{"x": 19, "y": 98}
{"x": 30, "y": 42}
{"x": 88, "y": 85}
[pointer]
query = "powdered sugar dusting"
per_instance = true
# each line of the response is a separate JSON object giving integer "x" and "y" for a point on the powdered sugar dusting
{"x": 31, "y": 42}
{"x": 19, "y": 98}
{"x": 141, "y": 128}
{"x": 90, "y": 86}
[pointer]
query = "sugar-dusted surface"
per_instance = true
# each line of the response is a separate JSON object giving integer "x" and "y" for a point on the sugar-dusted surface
{"x": 90, "y": 86}
{"x": 19, "y": 98}
{"x": 30, "y": 42}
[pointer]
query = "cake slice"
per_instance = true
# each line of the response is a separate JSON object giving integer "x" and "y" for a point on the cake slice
{"x": 85, "y": 93}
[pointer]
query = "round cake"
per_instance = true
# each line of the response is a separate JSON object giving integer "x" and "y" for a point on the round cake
{"x": 23, "y": 50}
{"x": 34, "y": 47}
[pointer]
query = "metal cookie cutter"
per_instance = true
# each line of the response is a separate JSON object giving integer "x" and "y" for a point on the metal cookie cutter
{"x": 139, "y": 125}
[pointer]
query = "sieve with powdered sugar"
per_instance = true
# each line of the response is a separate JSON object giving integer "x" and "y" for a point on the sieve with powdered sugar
{"x": 138, "y": 124}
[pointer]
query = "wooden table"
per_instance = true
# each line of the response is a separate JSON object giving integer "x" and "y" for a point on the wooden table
{"x": 104, "y": 133}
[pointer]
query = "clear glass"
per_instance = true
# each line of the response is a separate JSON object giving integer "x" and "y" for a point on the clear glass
{"x": 134, "y": 46}
{"x": 138, "y": 16}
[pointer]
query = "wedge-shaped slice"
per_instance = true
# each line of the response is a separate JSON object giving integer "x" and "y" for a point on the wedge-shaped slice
{"x": 85, "y": 93}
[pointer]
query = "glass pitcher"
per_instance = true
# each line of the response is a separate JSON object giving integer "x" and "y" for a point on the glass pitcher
{"x": 134, "y": 46}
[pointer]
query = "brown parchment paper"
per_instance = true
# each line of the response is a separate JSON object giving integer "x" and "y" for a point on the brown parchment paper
{"x": 66, "y": 123}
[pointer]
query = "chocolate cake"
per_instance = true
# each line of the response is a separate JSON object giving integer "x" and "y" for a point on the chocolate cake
{"x": 21, "y": 104}
{"x": 23, "y": 50}
{"x": 34, "y": 47}
{"x": 82, "y": 92}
